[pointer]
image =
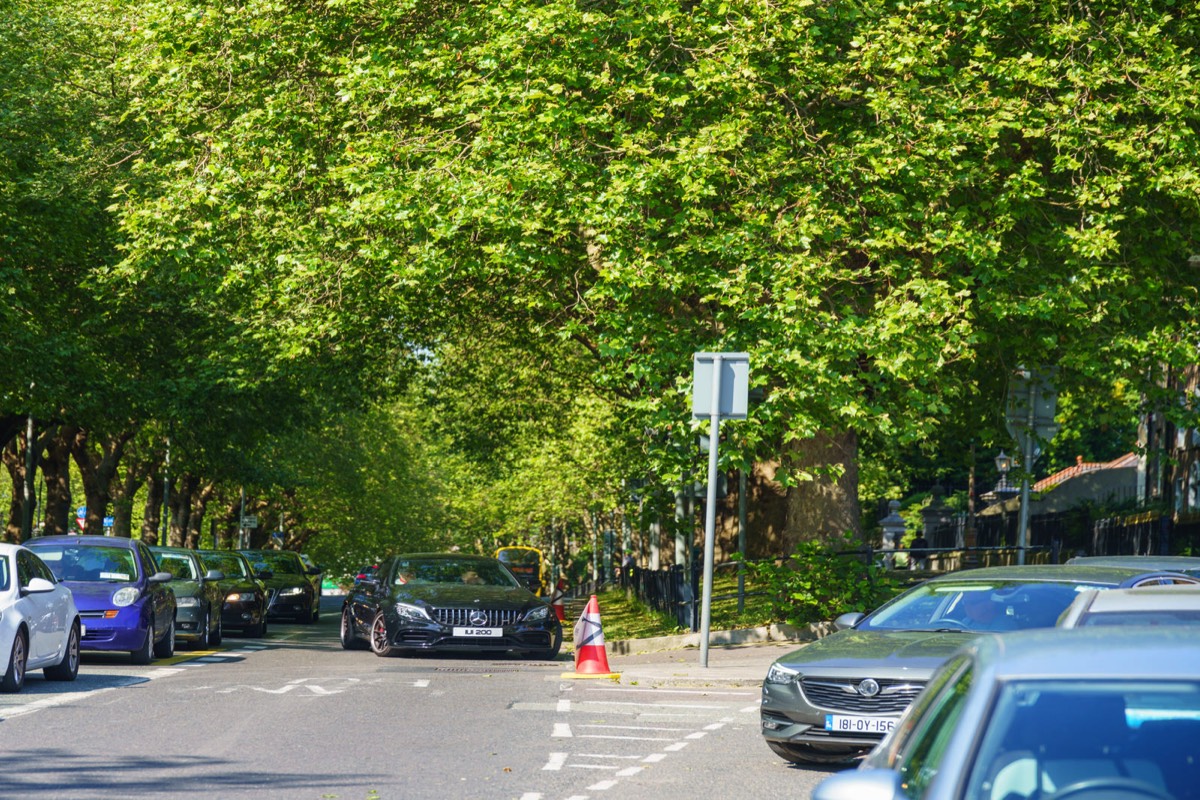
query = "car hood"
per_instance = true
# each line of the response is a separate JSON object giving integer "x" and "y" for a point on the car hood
{"x": 856, "y": 651}
{"x": 286, "y": 580}
{"x": 184, "y": 588}
{"x": 91, "y": 595}
{"x": 438, "y": 595}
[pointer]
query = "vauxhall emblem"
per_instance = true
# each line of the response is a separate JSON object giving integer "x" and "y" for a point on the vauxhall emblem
{"x": 868, "y": 688}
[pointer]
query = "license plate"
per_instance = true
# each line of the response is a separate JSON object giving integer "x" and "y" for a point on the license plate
{"x": 844, "y": 724}
{"x": 478, "y": 632}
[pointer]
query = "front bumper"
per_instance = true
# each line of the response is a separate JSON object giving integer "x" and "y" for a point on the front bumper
{"x": 241, "y": 614}
{"x": 292, "y": 606}
{"x": 413, "y": 635}
{"x": 789, "y": 716}
{"x": 124, "y": 631}
{"x": 188, "y": 623}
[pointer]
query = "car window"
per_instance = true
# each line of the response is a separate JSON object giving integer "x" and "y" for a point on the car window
{"x": 1045, "y": 735}
{"x": 477, "y": 572}
{"x": 228, "y": 563}
{"x": 976, "y": 605}
{"x": 898, "y": 739}
{"x": 280, "y": 562}
{"x": 40, "y": 570}
{"x": 89, "y": 563}
{"x": 5, "y": 573}
{"x": 24, "y": 571}
{"x": 933, "y": 733}
{"x": 180, "y": 566}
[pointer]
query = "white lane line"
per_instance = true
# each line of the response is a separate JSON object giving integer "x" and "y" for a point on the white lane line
{"x": 592, "y": 766}
{"x": 556, "y": 761}
{"x": 532, "y": 796}
{"x": 601, "y": 786}
{"x": 163, "y": 672}
{"x": 629, "y": 771}
{"x": 626, "y": 738}
{"x": 637, "y": 728}
{"x": 669, "y": 691}
{"x": 421, "y": 684}
{"x": 707, "y": 707}
{"x": 751, "y": 709}
{"x": 50, "y": 702}
{"x": 562, "y": 730}
{"x": 654, "y": 758}
{"x": 675, "y": 748}
{"x": 606, "y": 755}
{"x": 716, "y": 726}
{"x": 697, "y": 735}
{"x": 564, "y": 705}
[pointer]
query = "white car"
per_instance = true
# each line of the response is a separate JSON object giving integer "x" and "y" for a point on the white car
{"x": 39, "y": 624}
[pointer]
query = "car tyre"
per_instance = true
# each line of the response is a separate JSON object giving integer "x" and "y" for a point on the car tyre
{"x": 202, "y": 640}
{"x": 68, "y": 668}
{"x": 379, "y": 637}
{"x": 165, "y": 647}
{"x": 18, "y": 657}
{"x": 218, "y": 635}
{"x": 550, "y": 653}
{"x": 350, "y": 639}
{"x": 802, "y": 754}
{"x": 144, "y": 654}
{"x": 316, "y": 613}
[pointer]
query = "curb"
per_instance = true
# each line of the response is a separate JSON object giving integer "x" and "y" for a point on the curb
{"x": 729, "y": 638}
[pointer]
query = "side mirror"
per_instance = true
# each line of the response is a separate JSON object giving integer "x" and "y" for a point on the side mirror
{"x": 37, "y": 586}
{"x": 867, "y": 784}
{"x": 848, "y": 620}
{"x": 313, "y": 571}
{"x": 161, "y": 577}
{"x": 214, "y": 575}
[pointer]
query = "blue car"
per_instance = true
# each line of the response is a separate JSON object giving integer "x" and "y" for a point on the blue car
{"x": 123, "y": 598}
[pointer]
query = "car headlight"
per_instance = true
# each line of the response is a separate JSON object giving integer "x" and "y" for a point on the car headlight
{"x": 125, "y": 596}
{"x": 778, "y": 673}
{"x": 234, "y": 597}
{"x": 291, "y": 591}
{"x": 538, "y": 614}
{"x": 185, "y": 602}
{"x": 410, "y": 612}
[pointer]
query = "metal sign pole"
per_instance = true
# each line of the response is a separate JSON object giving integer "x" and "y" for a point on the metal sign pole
{"x": 710, "y": 510}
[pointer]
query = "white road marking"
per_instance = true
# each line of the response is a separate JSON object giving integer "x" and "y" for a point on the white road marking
{"x": 605, "y": 755}
{"x": 696, "y": 735}
{"x": 651, "y": 705}
{"x": 637, "y": 728}
{"x": 716, "y": 726}
{"x": 626, "y": 738}
{"x": 50, "y": 702}
{"x": 601, "y": 786}
{"x": 751, "y": 709}
{"x": 627, "y": 689}
{"x": 532, "y": 796}
{"x": 592, "y": 766}
{"x": 564, "y": 706}
{"x": 556, "y": 761}
{"x": 675, "y": 748}
{"x": 562, "y": 730}
{"x": 421, "y": 684}
{"x": 654, "y": 758}
{"x": 629, "y": 771}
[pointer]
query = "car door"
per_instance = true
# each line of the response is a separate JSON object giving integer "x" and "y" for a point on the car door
{"x": 367, "y": 594}
{"x": 162, "y": 599}
{"x": 44, "y": 611}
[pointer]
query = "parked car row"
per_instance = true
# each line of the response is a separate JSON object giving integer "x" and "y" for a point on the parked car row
{"x": 63, "y": 594}
{"x": 1074, "y": 682}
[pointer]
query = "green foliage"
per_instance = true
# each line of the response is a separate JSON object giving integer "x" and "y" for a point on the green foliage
{"x": 820, "y": 582}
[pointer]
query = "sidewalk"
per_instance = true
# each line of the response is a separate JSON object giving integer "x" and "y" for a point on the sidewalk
{"x": 736, "y": 658}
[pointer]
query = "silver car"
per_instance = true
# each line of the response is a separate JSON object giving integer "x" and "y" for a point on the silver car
{"x": 834, "y": 699}
{"x": 1188, "y": 565}
{"x": 1088, "y": 714}
{"x": 1147, "y": 607}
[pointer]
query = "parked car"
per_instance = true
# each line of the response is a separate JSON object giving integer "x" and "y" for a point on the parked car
{"x": 1188, "y": 565}
{"x": 1089, "y": 714}
{"x": 290, "y": 592}
{"x": 245, "y": 605}
{"x": 834, "y": 699}
{"x": 198, "y": 595}
{"x": 122, "y": 596}
{"x": 447, "y": 601}
{"x": 1147, "y": 607}
{"x": 39, "y": 624}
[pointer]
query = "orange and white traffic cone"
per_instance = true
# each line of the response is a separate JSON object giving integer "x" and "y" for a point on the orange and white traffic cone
{"x": 590, "y": 658}
{"x": 556, "y": 601}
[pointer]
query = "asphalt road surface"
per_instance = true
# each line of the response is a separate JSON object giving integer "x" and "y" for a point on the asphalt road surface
{"x": 294, "y": 717}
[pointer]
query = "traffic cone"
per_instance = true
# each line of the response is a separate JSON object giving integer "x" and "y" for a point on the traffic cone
{"x": 556, "y": 600}
{"x": 590, "y": 658}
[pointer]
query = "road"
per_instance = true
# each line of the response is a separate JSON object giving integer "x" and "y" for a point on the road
{"x": 294, "y": 717}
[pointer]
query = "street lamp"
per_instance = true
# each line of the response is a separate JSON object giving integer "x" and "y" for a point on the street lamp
{"x": 1004, "y": 463}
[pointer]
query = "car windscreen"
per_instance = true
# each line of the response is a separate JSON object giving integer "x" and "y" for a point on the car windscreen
{"x": 231, "y": 565}
{"x": 180, "y": 566}
{"x": 279, "y": 562}
{"x": 474, "y": 572}
{"x": 976, "y": 606}
{"x": 1053, "y": 733}
{"x": 89, "y": 563}
{"x": 1141, "y": 619}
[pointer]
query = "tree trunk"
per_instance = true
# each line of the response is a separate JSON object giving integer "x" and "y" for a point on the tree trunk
{"x": 137, "y": 469}
{"x": 200, "y": 499}
{"x": 180, "y": 505}
{"x": 14, "y": 462}
{"x": 98, "y": 468}
{"x": 56, "y": 468}
{"x": 152, "y": 514}
{"x": 824, "y": 508}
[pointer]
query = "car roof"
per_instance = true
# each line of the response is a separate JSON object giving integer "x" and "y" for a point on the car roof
{"x": 154, "y": 548}
{"x": 1080, "y": 573}
{"x": 1146, "y": 598}
{"x": 1176, "y": 563}
{"x": 86, "y": 539}
{"x": 1090, "y": 653}
{"x": 455, "y": 556}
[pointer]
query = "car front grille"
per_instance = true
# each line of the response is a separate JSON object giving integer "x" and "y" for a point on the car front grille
{"x": 843, "y": 695}
{"x": 462, "y": 616}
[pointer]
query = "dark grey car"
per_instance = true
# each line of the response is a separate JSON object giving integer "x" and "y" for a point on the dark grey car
{"x": 834, "y": 699}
